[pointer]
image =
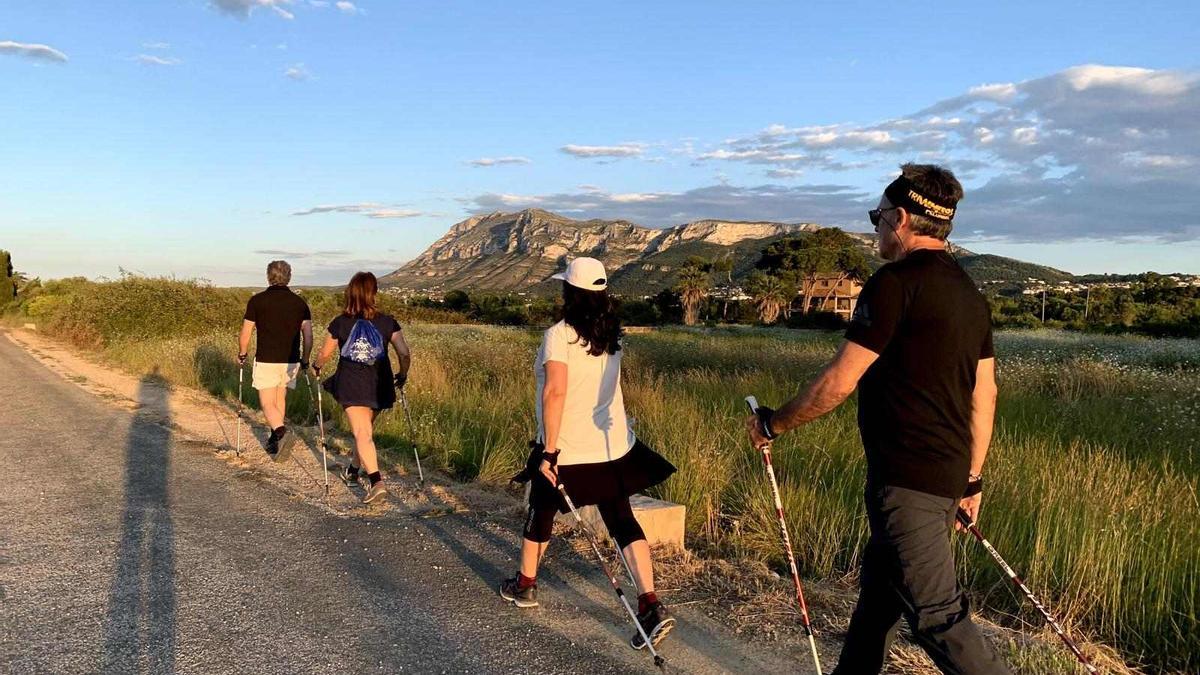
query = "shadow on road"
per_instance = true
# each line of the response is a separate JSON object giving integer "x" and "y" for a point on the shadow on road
{"x": 139, "y": 628}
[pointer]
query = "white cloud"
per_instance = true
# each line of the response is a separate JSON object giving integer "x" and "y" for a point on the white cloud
{"x": 873, "y": 138}
{"x": 830, "y": 204}
{"x": 394, "y": 213}
{"x": 150, "y": 60}
{"x": 243, "y": 8}
{"x": 1145, "y": 161}
{"x": 734, "y": 154}
{"x": 331, "y": 266}
{"x": 637, "y": 197}
{"x": 497, "y": 161}
{"x": 1025, "y": 135}
{"x": 1141, "y": 81}
{"x": 297, "y": 72}
{"x": 756, "y": 156}
{"x": 785, "y": 173}
{"x": 1092, "y": 151}
{"x": 994, "y": 92}
{"x": 368, "y": 209}
{"x": 32, "y": 51}
{"x": 347, "y": 7}
{"x": 621, "y": 150}
{"x": 278, "y": 253}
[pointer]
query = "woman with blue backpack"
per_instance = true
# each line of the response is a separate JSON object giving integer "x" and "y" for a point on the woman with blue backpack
{"x": 363, "y": 382}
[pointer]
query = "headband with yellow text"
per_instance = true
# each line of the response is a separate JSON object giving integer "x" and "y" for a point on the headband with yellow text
{"x": 902, "y": 193}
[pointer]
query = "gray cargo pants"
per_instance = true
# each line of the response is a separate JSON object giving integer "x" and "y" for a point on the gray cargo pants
{"x": 908, "y": 572}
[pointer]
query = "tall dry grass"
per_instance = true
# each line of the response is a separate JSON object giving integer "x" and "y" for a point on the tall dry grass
{"x": 1092, "y": 478}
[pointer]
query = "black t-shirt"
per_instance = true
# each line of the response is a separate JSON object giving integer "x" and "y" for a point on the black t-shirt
{"x": 341, "y": 326}
{"x": 277, "y": 314}
{"x": 930, "y": 327}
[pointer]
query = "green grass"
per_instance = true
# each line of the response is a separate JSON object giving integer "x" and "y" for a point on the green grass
{"x": 1092, "y": 477}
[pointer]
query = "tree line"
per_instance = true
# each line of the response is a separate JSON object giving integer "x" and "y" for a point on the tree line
{"x": 781, "y": 288}
{"x": 1151, "y": 305}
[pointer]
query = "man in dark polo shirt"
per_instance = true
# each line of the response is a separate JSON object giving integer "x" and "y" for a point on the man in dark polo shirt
{"x": 919, "y": 350}
{"x": 281, "y": 318}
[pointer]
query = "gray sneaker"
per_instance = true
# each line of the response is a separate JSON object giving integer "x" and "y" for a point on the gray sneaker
{"x": 286, "y": 441}
{"x": 376, "y": 491}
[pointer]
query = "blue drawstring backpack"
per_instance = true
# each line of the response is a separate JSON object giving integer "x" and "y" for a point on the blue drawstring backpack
{"x": 364, "y": 345}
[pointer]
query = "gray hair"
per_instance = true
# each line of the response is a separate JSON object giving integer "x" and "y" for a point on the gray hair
{"x": 279, "y": 273}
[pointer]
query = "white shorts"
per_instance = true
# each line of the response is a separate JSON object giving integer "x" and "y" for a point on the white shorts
{"x": 272, "y": 375}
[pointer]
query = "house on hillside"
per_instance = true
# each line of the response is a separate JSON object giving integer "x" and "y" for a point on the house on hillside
{"x": 831, "y": 295}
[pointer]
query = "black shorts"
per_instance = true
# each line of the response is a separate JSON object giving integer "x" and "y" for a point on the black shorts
{"x": 357, "y": 384}
{"x": 601, "y": 482}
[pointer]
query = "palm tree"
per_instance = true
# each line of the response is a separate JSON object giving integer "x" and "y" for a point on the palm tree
{"x": 770, "y": 294}
{"x": 692, "y": 286}
{"x": 724, "y": 267}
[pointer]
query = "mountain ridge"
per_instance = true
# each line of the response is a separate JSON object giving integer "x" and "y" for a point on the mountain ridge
{"x": 519, "y": 251}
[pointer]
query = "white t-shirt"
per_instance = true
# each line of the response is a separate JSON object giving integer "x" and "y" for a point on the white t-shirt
{"x": 594, "y": 428}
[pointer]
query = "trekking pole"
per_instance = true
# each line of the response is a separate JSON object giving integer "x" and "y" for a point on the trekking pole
{"x": 320, "y": 426}
{"x": 967, "y": 522}
{"x": 628, "y": 569}
{"x": 612, "y": 578}
{"x": 787, "y": 542}
{"x": 241, "y": 408}
{"x": 412, "y": 434}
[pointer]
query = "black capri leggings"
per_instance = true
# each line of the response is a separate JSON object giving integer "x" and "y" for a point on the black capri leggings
{"x": 617, "y": 515}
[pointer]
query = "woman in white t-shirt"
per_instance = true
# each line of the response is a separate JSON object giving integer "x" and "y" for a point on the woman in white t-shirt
{"x": 585, "y": 442}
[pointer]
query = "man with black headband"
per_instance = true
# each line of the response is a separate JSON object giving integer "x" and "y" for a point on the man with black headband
{"x": 919, "y": 350}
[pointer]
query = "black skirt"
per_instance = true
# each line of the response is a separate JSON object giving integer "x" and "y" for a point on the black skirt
{"x": 358, "y": 384}
{"x": 639, "y": 469}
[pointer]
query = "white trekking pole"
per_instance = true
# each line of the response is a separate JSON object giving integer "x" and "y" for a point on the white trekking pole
{"x": 320, "y": 426}
{"x": 241, "y": 408}
{"x": 787, "y": 541}
{"x": 612, "y": 578}
{"x": 412, "y": 432}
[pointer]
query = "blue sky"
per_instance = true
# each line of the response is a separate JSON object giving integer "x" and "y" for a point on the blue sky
{"x": 199, "y": 138}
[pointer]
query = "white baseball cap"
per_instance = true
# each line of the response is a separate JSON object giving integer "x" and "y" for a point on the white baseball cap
{"x": 585, "y": 273}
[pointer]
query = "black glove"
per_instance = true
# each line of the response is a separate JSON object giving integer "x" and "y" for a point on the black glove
{"x": 533, "y": 465}
{"x": 242, "y": 359}
{"x": 400, "y": 380}
{"x": 316, "y": 370}
{"x": 764, "y": 422}
{"x": 303, "y": 366}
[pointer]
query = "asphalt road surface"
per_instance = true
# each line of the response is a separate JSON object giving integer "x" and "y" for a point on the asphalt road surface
{"x": 123, "y": 550}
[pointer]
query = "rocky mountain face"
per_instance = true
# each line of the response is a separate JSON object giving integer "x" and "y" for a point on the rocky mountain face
{"x": 519, "y": 251}
{"x": 502, "y": 252}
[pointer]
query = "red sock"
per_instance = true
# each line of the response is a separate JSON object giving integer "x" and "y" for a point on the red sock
{"x": 524, "y": 582}
{"x": 646, "y": 601}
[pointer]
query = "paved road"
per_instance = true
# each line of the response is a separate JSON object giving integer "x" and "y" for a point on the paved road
{"x": 123, "y": 549}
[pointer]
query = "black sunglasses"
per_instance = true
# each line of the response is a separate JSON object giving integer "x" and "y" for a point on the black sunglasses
{"x": 876, "y": 214}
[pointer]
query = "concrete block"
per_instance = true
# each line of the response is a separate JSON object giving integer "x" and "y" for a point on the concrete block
{"x": 661, "y": 521}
